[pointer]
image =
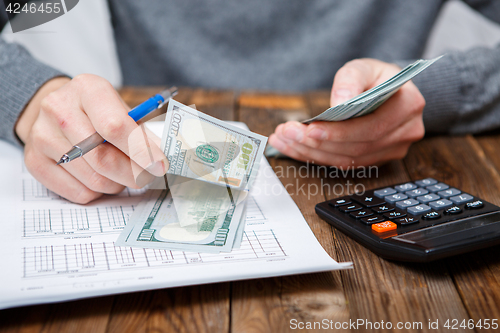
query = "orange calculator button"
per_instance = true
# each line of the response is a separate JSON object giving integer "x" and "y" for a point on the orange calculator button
{"x": 384, "y": 226}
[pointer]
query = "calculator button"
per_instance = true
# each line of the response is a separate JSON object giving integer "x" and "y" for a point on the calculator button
{"x": 416, "y": 192}
{"x": 420, "y": 209}
{"x": 449, "y": 193}
{"x": 441, "y": 204}
{"x": 405, "y": 187}
{"x": 384, "y": 226}
{"x": 372, "y": 219}
{"x": 350, "y": 208}
{"x": 462, "y": 198}
{"x": 394, "y": 215}
{"x": 428, "y": 198}
{"x": 406, "y": 220}
{"x": 395, "y": 197}
{"x": 384, "y": 192}
{"x": 368, "y": 200}
{"x": 453, "y": 210}
{"x": 382, "y": 209}
{"x": 426, "y": 182}
{"x": 431, "y": 216}
{"x": 406, "y": 203}
{"x": 474, "y": 205}
{"x": 339, "y": 202}
{"x": 437, "y": 187}
{"x": 361, "y": 213}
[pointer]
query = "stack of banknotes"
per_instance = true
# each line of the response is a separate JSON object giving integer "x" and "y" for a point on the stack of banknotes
{"x": 369, "y": 100}
{"x": 200, "y": 205}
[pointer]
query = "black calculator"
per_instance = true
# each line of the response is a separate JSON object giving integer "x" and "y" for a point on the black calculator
{"x": 419, "y": 221}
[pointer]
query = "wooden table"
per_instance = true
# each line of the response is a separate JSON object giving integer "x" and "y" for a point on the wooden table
{"x": 462, "y": 287}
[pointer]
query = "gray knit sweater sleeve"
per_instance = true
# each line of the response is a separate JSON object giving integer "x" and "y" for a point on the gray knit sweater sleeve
{"x": 462, "y": 92}
{"x": 20, "y": 78}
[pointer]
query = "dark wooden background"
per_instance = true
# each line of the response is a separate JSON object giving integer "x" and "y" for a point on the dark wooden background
{"x": 463, "y": 287}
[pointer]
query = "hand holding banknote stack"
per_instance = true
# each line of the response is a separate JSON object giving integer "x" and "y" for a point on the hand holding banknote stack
{"x": 199, "y": 206}
{"x": 369, "y": 100}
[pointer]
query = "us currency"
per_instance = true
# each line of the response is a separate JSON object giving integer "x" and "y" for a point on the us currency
{"x": 369, "y": 100}
{"x": 205, "y": 148}
{"x": 189, "y": 215}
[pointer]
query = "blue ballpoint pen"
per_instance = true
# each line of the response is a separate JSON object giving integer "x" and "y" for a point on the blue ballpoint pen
{"x": 137, "y": 113}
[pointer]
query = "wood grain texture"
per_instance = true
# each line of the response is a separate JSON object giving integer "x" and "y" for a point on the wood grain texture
{"x": 88, "y": 315}
{"x": 473, "y": 166}
{"x": 186, "y": 309}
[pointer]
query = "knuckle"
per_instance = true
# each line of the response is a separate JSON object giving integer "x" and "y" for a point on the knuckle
{"x": 32, "y": 163}
{"x": 91, "y": 81}
{"x": 418, "y": 132}
{"x": 83, "y": 79}
{"x": 113, "y": 128}
{"x": 85, "y": 196}
{"x": 420, "y": 103}
{"x": 51, "y": 102}
{"x": 98, "y": 183}
{"x": 104, "y": 162}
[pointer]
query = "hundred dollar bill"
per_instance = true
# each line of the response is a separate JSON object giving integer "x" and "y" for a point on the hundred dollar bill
{"x": 202, "y": 147}
{"x": 369, "y": 100}
{"x": 188, "y": 215}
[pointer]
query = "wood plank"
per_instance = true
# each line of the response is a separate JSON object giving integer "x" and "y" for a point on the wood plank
{"x": 88, "y": 315}
{"x": 217, "y": 103}
{"x": 187, "y": 309}
{"x": 268, "y": 305}
{"x": 471, "y": 166}
{"x": 265, "y": 111}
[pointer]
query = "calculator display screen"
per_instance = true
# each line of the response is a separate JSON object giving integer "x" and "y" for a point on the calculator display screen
{"x": 447, "y": 229}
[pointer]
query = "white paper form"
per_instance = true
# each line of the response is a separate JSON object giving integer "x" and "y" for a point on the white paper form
{"x": 53, "y": 250}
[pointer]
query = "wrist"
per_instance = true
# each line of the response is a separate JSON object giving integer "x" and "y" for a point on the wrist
{"x": 30, "y": 113}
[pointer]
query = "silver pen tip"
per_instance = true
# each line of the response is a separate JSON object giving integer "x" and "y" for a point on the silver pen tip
{"x": 64, "y": 159}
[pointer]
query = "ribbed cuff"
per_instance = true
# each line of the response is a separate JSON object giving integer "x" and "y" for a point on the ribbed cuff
{"x": 20, "y": 78}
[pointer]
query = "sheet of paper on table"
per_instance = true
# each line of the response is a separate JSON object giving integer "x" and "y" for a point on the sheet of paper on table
{"x": 53, "y": 250}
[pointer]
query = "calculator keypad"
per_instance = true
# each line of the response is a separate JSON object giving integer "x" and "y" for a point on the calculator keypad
{"x": 423, "y": 201}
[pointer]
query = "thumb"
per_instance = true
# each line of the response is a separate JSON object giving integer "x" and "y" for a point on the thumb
{"x": 351, "y": 80}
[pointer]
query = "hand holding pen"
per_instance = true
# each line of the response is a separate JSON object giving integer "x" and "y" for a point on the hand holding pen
{"x": 63, "y": 113}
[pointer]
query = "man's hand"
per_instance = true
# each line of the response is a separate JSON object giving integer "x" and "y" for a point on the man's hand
{"x": 384, "y": 135}
{"x": 64, "y": 112}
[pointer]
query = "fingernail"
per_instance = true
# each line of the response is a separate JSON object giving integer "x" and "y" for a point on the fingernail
{"x": 317, "y": 133}
{"x": 293, "y": 134}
